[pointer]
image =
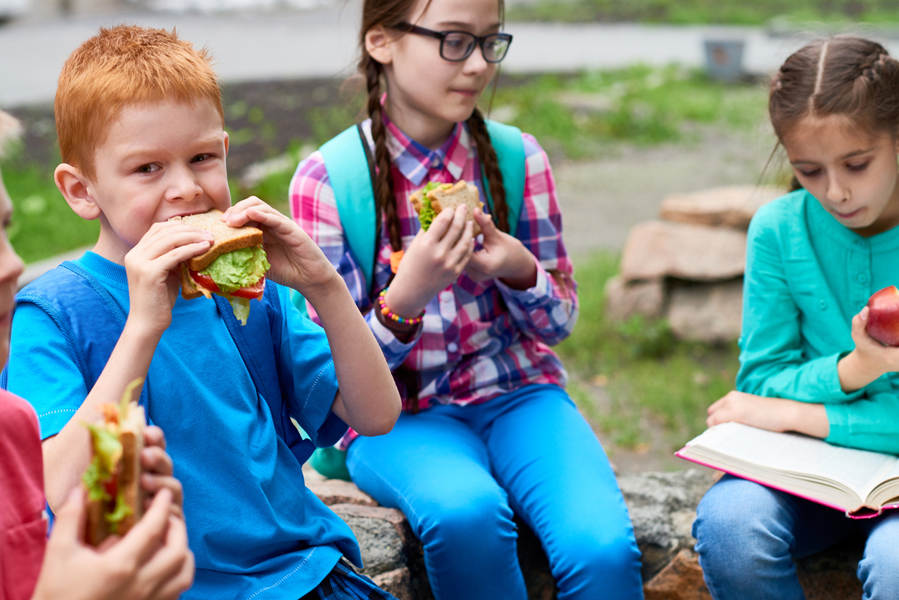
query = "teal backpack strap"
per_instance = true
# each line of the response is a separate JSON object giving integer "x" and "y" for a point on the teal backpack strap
{"x": 507, "y": 142}
{"x": 351, "y": 174}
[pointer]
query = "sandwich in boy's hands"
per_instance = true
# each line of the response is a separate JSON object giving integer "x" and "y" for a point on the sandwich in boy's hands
{"x": 296, "y": 261}
{"x": 233, "y": 267}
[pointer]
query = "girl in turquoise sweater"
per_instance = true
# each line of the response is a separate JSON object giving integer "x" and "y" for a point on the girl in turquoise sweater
{"x": 814, "y": 257}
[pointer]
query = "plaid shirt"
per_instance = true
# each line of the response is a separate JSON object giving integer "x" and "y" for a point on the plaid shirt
{"x": 478, "y": 340}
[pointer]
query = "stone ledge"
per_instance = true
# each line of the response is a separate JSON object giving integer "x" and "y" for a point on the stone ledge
{"x": 662, "y": 507}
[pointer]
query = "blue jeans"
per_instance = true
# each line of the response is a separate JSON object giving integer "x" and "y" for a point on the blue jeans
{"x": 748, "y": 536}
{"x": 459, "y": 472}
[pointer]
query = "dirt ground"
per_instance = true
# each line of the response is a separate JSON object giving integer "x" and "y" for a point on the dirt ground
{"x": 601, "y": 199}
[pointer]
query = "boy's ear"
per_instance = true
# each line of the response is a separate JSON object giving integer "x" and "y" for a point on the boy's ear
{"x": 74, "y": 187}
{"x": 378, "y": 46}
{"x": 227, "y": 143}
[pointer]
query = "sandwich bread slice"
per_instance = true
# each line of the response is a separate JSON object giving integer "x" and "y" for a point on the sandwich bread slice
{"x": 233, "y": 267}
{"x": 434, "y": 198}
{"x": 112, "y": 479}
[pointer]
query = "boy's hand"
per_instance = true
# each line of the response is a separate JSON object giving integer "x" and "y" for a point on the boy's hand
{"x": 433, "y": 261}
{"x": 868, "y": 361}
{"x": 296, "y": 260}
{"x": 152, "y": 271}
{"x": 158, "y": 471}
{"x": 773, "y": 414}
{"x": 151, "y": 562}
{"x": 502, "y": 257}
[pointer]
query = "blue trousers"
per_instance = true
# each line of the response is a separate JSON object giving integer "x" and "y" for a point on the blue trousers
{"x": 748, "y": 536}
{"x": 459, "y": 472}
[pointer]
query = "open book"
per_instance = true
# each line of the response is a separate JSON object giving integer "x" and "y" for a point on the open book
{"x": 862, "y": 484}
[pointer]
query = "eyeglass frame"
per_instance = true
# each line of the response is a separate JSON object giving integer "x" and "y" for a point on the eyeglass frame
{"x": 442, "y": 35}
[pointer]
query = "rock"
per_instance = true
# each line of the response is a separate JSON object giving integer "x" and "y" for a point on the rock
{"x": 662, "y": 507}
{"x": 680, "y": 580}
{"x": 623, "y": 300}
{"x": 338, "y": 491}
{"x": 708, "y": 312}
{"x": 831, "y": 575}
{"x": 383, "y": 535}
{"x": 397, "y": 582}
{"x": 657, "y": 249}
{"x": 729, "y": 206}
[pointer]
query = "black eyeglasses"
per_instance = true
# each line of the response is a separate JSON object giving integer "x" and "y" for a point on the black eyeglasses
{"x": 456, "y": 46}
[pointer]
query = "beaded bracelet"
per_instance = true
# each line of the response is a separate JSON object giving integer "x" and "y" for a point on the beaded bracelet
{"x": 382, "y": 303}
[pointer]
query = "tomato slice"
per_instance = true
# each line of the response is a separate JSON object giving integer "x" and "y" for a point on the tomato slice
{"x": 252, "y": 291}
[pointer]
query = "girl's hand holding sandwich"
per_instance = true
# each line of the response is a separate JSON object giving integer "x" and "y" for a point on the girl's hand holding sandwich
{"x": 502, "y": 257}
{"x": 151, "y": 562}
{"x": 433, "y": 260}
{"x": 158, "y": 471}
{"x": 296, "y": 261}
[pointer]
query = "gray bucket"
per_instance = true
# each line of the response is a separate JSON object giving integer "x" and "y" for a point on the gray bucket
{"x": 724, "y": 59}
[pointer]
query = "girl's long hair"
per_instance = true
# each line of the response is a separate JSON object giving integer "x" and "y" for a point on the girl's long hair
{"x": 842, "y": 75}
{"x": 388, "y": 13}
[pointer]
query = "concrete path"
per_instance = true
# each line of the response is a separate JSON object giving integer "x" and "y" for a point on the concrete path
{"x": 321, "y": 42}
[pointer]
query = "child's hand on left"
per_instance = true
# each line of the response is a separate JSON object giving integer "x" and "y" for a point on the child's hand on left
{"x": 158, "y": 471}
{"x": 502, "y": 257}
{"x": 296, "y": 260}
{"x": 773, "y": 414}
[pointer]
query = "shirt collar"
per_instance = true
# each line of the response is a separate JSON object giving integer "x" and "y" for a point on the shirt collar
{"x": 414, "y": 161}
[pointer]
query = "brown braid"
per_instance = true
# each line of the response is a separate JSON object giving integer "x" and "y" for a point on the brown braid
{"x": 384, "y": 199}
{"x": 487, "y": 155}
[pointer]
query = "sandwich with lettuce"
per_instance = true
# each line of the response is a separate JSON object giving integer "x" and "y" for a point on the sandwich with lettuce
{"x": 233, "y": 267}
{"x": 434, "y": 198}
{"x": 112, "y": 479}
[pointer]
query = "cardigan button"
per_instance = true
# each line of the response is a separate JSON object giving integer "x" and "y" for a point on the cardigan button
{"x": 822, "y": 304}
{"x": 863, "y": 278}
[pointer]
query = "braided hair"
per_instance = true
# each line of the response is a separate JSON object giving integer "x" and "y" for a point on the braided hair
{"x": 842, "y": 75}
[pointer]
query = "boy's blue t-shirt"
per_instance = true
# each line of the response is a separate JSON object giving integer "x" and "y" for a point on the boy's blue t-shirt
{"x": 255, "y": 529}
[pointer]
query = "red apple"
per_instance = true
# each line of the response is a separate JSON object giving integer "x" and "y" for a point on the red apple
{"x": 883, "y": 316}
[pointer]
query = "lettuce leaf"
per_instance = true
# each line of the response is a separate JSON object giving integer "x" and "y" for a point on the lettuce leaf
{"x": 121, "y": 511}
{"x": 241, "y": 308}
{"x": 426, "y": 214}
{"x": 240, "y": 268}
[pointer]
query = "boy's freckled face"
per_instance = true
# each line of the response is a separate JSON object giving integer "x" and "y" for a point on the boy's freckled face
{"x": 158, "y": 161}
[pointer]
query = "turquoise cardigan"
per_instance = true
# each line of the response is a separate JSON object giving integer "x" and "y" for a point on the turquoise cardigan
{"x": 806, "y": 277}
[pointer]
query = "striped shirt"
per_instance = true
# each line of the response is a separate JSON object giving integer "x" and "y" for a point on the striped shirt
{"x": 478, "y": 340}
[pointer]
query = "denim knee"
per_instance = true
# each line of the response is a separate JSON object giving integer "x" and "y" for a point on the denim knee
{"x": 584, "y": 561}
{"x": 744, "y": 536}
{"x": 877, "y": 570}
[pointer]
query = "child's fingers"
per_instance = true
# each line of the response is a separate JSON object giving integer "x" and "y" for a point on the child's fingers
{"x": 236, "y": 216}
{"x": 154, "y": 459}
{"x": 147, "y": 536}
{"x": 440, "y": 224}
{"x": 154, "y": 436}
{"x": 153, "y": 484}
{"x": 172, "y": 568}
{"x": 273, "y": 221}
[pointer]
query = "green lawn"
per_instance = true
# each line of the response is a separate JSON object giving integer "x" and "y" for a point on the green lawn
{"x": 640, "y": 363}
{"x": 726, "y": 12}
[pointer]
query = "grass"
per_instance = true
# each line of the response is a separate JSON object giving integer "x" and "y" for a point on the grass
{"x": 700, "y": 12}
{"x": 43, "y": 225}
{"x": 641, "y": 365}
{"x": 582, "y": 116}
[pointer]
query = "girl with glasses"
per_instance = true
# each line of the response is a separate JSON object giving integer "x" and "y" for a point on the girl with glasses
{"x": 466, "y": 324}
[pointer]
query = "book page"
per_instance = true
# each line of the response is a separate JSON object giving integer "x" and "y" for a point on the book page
{"x": 857, "y": 469}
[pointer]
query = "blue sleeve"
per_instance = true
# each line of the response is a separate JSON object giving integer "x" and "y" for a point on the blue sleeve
{"x": 772, "y": 360}
{"x": 41, "y": 369}
{"x": 309, "y": 380}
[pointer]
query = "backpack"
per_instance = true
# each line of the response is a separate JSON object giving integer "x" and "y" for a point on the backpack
{"x": 351, "y": 173}
{"x": 92, "y": 322}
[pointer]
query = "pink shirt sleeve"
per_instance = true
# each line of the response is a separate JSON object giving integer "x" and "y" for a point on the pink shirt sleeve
{"x": 23, "y": 526}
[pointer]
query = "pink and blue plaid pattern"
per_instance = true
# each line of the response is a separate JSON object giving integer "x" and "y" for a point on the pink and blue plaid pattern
{"x": 478, "y": 340}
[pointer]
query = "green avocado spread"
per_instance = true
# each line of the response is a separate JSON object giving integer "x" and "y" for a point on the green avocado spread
{"x": 240, "y": 268}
